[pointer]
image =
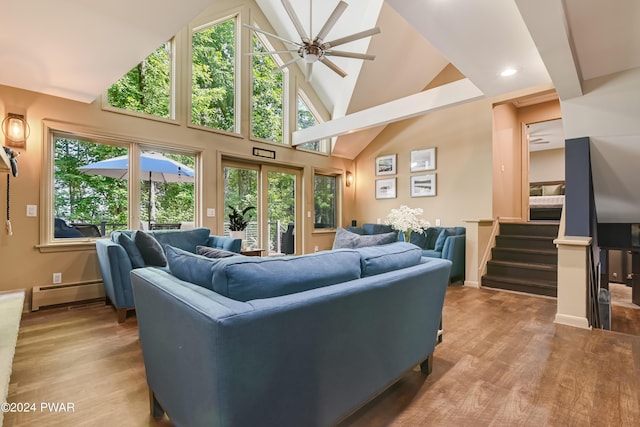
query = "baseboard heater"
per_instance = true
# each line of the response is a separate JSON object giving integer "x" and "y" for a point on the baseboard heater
{"x": 42, "y": 296}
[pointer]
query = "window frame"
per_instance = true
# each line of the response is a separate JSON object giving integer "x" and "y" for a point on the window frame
{"x": 173, "y": 96}
{"x": 209, "y": 22}
{"x": 286, "y": 107}
{"x": 338, "y": 202}
{"x": 53, "y": 129}
{"x": 326, "y": 142}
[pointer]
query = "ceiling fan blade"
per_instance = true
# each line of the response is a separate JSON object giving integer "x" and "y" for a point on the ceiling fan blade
{"x": 333, "y": 18}
{"x": 309, "y": 71}
{"x": 333, "y": 67}
{"x": 352, "y": 37}
{"x": 258, "y": 30}
{"x": 271, "y": 52}
{"x": 285, "y": 65}
{"x": 350, "y": 54}
{"x": 295, "y": 20}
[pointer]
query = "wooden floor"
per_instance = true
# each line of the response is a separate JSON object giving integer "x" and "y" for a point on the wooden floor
{"x": 503, "y": 362}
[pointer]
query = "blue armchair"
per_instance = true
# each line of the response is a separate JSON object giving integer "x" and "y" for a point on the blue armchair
{"x": 446, "y": 243}
{"x": 118, "y": 255}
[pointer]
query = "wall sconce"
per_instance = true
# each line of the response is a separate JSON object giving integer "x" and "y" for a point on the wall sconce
{"x": 348, "y": 179}
{"x": 16, "y": 130}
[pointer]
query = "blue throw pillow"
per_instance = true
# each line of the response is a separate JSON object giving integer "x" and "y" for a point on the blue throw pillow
{"x": 150, "y": 249}
{"x": 431, "y": 236}
{"x": 132, "y": 250}
{"x": 446, "y": 232}
{"x": 347, "y": 240}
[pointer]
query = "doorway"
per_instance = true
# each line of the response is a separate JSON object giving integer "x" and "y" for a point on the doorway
{"x": 274, "y": 193}
{"x": 546, "y": 170}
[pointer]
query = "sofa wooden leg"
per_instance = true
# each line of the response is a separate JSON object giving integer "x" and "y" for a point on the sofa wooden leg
{"x": 156, "y": 409}
{"x": 427, "y": 365}
{"x": 122, "y": 314}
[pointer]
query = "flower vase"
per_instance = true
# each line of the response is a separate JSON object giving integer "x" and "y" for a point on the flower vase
{"x": 407, "y": 235}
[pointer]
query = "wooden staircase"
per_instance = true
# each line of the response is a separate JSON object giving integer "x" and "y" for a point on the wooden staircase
{"x": 524, "y": 259}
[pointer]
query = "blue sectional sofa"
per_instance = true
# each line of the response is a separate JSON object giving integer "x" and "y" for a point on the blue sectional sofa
{"x": 436, "y": 242}
{"x": 285, "y": 341}
{"x": 119, "y": 254}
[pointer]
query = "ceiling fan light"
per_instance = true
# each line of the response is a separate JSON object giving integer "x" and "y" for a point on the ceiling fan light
{"x": 310, "y": 58}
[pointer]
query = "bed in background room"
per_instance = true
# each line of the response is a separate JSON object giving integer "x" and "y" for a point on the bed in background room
{"x": 546, "y": 200}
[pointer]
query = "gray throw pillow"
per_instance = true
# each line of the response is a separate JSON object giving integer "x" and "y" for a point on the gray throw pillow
{"x": 210, "y": 252}
{"x": 349, "y": 240}
{"x": 442, "y": 237}
{"x": 150, "y": 249}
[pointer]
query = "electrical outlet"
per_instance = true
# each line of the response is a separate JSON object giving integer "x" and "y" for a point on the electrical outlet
{"x": 32, "y": 210}
{"x": 437, "y": 222}
{"x": 57, "y": 278}
{"x": 211, "y": 212}
{"x": 315, "y": 249}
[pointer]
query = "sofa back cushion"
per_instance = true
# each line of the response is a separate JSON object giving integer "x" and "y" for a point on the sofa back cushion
{"x": 248, "y": 278}
{"x": 190, "y": 267}
{"x": 370, "y": 228}
{"x": 186, "y": 240}
{"x": 346, "y": 239}
{"x": 394, "y": 256}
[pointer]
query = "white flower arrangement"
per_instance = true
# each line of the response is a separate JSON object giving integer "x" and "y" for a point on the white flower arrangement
{"x": 406, "y": 220}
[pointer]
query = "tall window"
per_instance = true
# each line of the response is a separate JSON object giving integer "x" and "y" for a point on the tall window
{"x": 147, "y": 87}
{"x": 324, "y": 199}
{"x": 306, "y": 119}
{"x": 87, "y": 202}
{"x": 214, "y": 76}
{"x": 167, "y": 198}
{"x": 267, "y": 104}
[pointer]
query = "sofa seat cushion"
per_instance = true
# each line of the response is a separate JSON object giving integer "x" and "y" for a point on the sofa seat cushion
{"x": 186, "y": 240}
{"x": 394, "y": 256}
{"x": 430, "y": 253}
{"x": 346, "y": 239}
{"x": 248, "y": 278}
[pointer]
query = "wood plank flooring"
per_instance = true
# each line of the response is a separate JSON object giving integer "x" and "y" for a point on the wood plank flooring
{"x": 503, "y": 362}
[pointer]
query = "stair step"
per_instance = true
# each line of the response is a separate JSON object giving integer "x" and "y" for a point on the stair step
{"x": 532, "y": 256}
{"x": 522, "y": 271}
{"x": 525, "y": 242}
{"x": 530, "y": 229}
{"x": 536, "y": 287}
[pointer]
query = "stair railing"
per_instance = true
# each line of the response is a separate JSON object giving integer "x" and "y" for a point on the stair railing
{"x": 486, "y": 256}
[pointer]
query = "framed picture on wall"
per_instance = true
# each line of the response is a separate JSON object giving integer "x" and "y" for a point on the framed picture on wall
{"x": 386, "y": 165}
{"x": 423, "y": 160}
{"x": 386, "y": 188}
{"x": 423, "y": 185}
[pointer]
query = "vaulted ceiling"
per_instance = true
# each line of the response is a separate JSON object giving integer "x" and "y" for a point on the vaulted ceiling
{"x": 73, "y": 48}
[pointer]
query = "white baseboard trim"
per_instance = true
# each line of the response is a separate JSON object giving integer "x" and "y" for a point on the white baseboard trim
{"x": 472, "y": 283}
{"x": 578, "y": 322}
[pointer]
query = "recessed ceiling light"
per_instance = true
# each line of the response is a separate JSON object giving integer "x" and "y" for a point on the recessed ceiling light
{"x": 508, "y": 72}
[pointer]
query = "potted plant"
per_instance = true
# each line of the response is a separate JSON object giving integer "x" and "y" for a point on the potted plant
{"x": 238, "y": 222}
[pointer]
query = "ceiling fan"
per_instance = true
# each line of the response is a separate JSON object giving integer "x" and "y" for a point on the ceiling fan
{"x": 311, "y": 50}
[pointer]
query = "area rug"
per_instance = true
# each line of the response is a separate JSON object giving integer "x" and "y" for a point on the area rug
{"x": 11, "y": 304}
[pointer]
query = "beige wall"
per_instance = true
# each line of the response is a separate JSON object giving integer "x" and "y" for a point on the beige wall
{"x": 546, "y": 165}
{"x": 462, "y": 137}
{"x": 511, "y": 153}
{"x": 25, "y": 265}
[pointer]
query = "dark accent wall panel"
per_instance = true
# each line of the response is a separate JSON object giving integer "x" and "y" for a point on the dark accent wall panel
{"x": 579, "y": 192}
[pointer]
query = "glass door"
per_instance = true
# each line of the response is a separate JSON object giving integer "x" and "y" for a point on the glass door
{"x": 268, "y": 198}
{"x": 282, "y": 190}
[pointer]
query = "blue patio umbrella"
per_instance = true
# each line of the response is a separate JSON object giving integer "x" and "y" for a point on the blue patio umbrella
{"x": 155, "y": 166}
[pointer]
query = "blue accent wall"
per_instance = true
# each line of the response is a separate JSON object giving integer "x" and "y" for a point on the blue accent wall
{"x": 579, "y": 189}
